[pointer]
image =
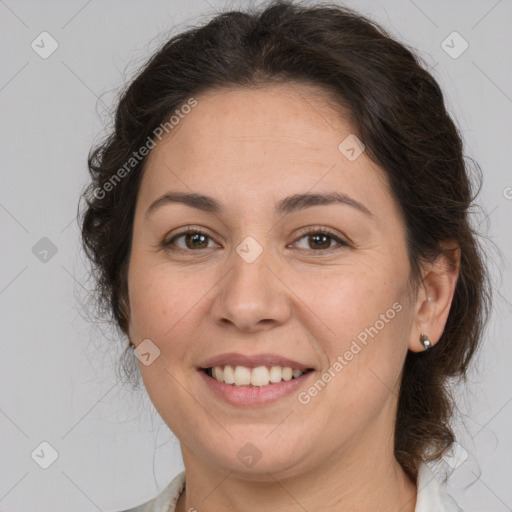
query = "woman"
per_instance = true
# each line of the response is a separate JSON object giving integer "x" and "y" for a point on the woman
{"x": 279, "y": 225}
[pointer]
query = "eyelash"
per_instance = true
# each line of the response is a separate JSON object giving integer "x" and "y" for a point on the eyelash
{"x": 193, "y": 231}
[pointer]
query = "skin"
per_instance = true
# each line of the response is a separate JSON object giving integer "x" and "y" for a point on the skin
{"x": 306, "y": 300}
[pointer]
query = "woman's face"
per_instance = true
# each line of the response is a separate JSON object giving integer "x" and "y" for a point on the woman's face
{"x": 260, "y": 286}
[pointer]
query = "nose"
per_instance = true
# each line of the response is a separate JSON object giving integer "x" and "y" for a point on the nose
{"x": 252, "y": 296}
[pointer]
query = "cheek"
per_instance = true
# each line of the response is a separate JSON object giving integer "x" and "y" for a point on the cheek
{"x": 167, "y": 305}
{"x": 155, "y": 298}
{"x": 361, "y": 314}
{"x": 349, "y": 298}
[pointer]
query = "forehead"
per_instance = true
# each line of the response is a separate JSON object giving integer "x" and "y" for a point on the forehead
{"x": 256, "y": 142}
{"x": 269, "y": 117}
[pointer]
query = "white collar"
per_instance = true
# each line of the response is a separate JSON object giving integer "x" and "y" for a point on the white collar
{"x": 431, "y": 496}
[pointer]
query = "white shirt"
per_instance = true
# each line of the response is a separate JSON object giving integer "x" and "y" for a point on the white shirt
{"x": 430, "y": 498}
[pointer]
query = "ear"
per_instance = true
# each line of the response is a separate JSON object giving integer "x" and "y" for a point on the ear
{"x": 435, "y": 295}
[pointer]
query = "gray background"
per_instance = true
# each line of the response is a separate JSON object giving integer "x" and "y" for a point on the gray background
{"x": 58, "y": 371}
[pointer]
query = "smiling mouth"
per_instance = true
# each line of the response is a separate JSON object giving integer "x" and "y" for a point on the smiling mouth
{"x": 254, "y": 377}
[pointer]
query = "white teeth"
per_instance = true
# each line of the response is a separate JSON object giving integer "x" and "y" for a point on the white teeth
{"x": 259, "y": 376}
{"x": 287, "y": 373}
{"x": 218, "y": 374}
{"x": 242, "y": 376}
{"x": 276, "y": 374}
{"x": 228, "y": 374}
{"x": 297, "y": 373}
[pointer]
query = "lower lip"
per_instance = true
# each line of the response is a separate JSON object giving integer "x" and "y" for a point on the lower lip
{"x": 254, "y": 395}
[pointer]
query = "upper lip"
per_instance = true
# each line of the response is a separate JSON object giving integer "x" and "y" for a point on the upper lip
{"x": 235, "y": 359}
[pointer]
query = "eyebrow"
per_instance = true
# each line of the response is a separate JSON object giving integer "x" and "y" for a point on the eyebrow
{"x": 287, "y": 205}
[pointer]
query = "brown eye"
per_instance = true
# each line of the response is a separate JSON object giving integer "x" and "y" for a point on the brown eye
{"x": 193, "y": 240}
{"x": 321, "y": 240}
{"x": 318, "y": 240}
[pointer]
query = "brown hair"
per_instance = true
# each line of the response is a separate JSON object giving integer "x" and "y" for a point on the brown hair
{"x": 396, "y": 108}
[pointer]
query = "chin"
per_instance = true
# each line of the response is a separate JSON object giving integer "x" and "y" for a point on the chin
{"x": 253, "y": 457}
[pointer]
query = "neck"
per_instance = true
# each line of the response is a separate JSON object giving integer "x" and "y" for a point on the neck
{"x": 375, "y": 482}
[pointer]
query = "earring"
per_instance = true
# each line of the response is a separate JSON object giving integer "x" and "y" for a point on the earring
{"x": 427, "y": 344}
